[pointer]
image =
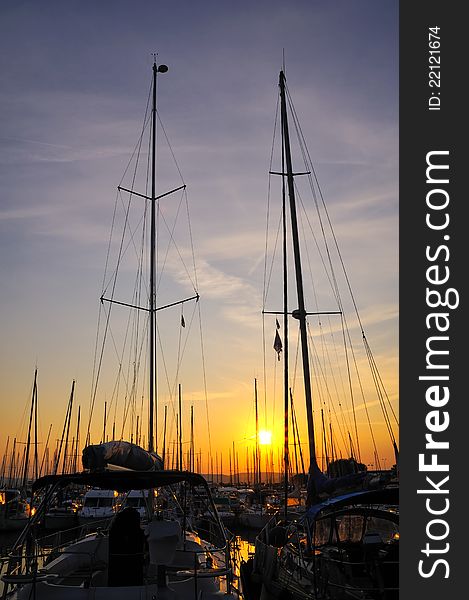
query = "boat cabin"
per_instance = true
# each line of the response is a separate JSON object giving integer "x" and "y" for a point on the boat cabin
{"x": 100, "y": 504}
{"x": 138, "y": 499}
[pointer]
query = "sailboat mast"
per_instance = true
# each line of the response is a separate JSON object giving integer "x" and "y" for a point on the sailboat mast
{"x": 33, "y": 401}
{"x": 301, "y": 313}
{"x": 192, "y": 450}
{"x": 286, "y": 457}
{"x": 257, "y": 468}
{"x": 164, "y": 435}
{"x": 4, "y": 460}
{"x": 180, "y": 426}
{"x": 152, "y": 269}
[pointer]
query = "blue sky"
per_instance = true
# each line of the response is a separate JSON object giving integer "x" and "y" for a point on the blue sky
{"x": 74, "y": 81}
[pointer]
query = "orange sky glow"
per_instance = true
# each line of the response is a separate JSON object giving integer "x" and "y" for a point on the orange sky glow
{"x": 72, "y": 112}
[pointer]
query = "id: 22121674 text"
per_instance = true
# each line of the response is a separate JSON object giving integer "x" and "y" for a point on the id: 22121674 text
{"x": 434, "y": 74}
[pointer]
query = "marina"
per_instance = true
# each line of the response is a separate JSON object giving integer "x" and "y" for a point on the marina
{"x": 135, "y": 522}
{"x": 191, "y": 470}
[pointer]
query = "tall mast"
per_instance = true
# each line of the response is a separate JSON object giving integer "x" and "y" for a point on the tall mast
{"x": 152, "y": 308}
{"x": 180, "y": 426}
{"x": 152, "y": 267}
{"x": 301, "y": 312}
{"x": 11, "y": 472}
{"x": 77, "y": 442}
{"x": 164, "y": 435}
{"x": 286, "y": 457}
{"x": 4, "y": 461}
{"x": 192, "y": 461}
{"x": 72, "y": 393}
{"x": 257, "y": 469}
{"x": 31, "y": 415}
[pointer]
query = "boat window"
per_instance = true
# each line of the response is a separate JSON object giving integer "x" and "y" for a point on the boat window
{"x": 350, "y": 528}
{"x": 91, "y": 502}
{"x": 105, "y": 502}
{"x": 386, "y": 529}
{"x": 135, "y": 502}
{"x": 322, "y": 532}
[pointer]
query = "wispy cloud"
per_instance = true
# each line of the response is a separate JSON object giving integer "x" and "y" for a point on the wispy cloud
{"x": 72, "y": 109}
{"x": 22, "y": 151}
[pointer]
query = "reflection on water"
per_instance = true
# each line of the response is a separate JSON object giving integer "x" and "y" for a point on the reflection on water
{"x": 243, "y": 548}
{"x": 245, "y": 539}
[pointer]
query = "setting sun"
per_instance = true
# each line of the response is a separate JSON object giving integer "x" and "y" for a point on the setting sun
{"x": 265, "y": 438}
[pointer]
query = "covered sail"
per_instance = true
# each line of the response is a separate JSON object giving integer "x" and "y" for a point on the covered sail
{"x": 319, "y": 484}
{"x": 120, "y": 454}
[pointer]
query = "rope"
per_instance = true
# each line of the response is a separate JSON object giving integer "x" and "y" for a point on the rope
{"x": 97, "y": 362}
{"x": 133, "y": 344}
{"x": 314, "y": 184}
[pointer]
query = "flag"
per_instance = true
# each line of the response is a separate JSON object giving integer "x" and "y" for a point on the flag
{"x": 277, "y": 324}
{"x": 277, "y": 344}
{"x": 183, "y": 323}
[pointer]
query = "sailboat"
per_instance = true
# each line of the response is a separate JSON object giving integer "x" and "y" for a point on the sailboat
{"x": 256, "y": 515}
{"x": 345, "y": 541}
{"x": 14, "y": 506}
{"x": 14, "y": 510}
{"x": 158, "y": 554}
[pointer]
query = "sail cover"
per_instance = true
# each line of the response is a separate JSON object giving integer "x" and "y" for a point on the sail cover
{"x": 120, "y": 454}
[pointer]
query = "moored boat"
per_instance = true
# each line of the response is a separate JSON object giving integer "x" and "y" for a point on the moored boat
{"x": 124, "y": 555}
{"x": 343, "y": 542}
{"x": 14, "y": 510}
{"x": 165, "y": 557}
{"x": 99, "y": 504}
{"x": 138, "y": 499}
{"x": 255, "y": 518}
{"x": 64, "y": 515}
{"x": 344, "y": 547}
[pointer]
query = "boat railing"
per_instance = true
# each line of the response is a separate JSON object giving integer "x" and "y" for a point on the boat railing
{"x": 32, "y": 553}
{"x": 65, "y": 536}
{"x": 29, "y": 568}
{"x": 269, "y": 534}
{"x": 371, "y": 572}
{"x": 218, "y": 552}
{"x": 24, "y": 563}
{"x": 23, "y": 568}
{"x": 377, "y": 568}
